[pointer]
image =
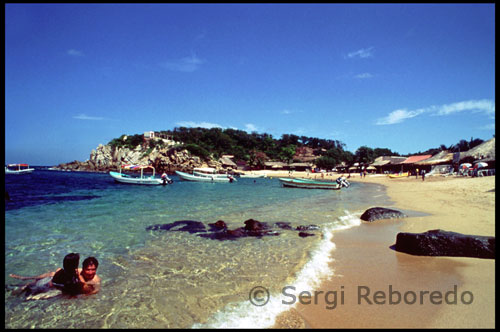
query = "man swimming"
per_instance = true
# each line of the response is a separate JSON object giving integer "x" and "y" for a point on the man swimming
{"x": 91, "y": 283}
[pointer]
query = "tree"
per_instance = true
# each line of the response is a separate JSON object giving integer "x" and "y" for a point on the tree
{"x": 287, "y": 152}
{"x": 326, "y": 162}
{"x": 364, "y": 155}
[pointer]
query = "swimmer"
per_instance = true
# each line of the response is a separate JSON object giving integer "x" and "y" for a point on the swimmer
{"x": 91, "y": 283}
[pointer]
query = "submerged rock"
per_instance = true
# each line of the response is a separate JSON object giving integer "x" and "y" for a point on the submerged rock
{"x": 190, "y": 226}
{"x": 443, "y": 243}
{"x": 377, "y": 213}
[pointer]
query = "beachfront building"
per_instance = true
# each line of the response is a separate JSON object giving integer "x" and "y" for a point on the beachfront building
{"x": 484, "y": 152}
{"x": 227, "y": 163}
{"x": 440, "y": 163}
{"x": 388, "y": 164}
{"x": 409, "y": 164}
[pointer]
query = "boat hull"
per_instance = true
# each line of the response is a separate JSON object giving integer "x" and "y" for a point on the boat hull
{"x": 23, "y": 171}
{"x": 135, "y": 180}
{"x": 196, "y": 178}
{"x": 309, "y": 184}
{"x": 253, "y": 176}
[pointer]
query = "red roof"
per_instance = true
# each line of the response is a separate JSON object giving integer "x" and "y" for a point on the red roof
{"x": 414, "y": 159}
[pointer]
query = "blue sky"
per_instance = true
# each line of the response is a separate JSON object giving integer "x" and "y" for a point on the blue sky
{"x": 407, "y": 77}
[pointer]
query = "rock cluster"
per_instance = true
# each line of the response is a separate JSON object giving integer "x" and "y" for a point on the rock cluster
{"x": 219, "y": 230}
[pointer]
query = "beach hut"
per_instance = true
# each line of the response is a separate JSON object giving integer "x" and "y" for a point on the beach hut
{"x": 227, "y": 162}
{"x": 275, "y": 165}
{"x": 300, "y": 167}
{"x": 441, "y": 162}
{"x": 409, "y": 164}
{"x": 484, "y": 152}
{"x": 388, "y": 164}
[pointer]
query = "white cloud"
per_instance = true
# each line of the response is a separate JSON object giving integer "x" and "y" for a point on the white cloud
{"x": 74, "y": 52}
{"x": 482, "y": 106}
{"x": 398, "y": 116}
{"x": 249, "y": 127}
{"x": 362, "y": 53}
{"x": 193, "y": 124}
{"x": 476, "y": 106}
{"x": 86, "y": 117}
{"x": 490, "y": 126}
{"x": 364, "y": 75}
{"x": 187, "y": 64}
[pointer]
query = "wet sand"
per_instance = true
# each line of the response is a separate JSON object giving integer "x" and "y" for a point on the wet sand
{"x": 364, "y": 261}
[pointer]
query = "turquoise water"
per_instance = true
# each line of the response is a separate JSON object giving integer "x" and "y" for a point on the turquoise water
{"x": 160, "y": 279}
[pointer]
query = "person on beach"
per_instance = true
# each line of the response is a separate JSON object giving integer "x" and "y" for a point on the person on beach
{"x": 423, "y": 175}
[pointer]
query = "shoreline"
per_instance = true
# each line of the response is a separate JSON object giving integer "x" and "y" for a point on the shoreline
{"x": 464, "y": 205}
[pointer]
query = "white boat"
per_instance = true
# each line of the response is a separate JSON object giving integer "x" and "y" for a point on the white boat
{"x": 253, "y": 175}
{"x": 314, "y": 184}
{"x": 205, "y": 174}
{"x": 142, "y": 179}
{"x": 18, "y": 169}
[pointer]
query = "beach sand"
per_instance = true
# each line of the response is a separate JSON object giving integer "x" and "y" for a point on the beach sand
{"x": 364, "y": 260}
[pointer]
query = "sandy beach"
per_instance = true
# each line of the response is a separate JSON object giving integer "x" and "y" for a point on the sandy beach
{"x": 365, "y": 265}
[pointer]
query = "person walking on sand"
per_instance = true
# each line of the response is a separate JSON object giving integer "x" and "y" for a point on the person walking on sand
{"x": 423, "y": 175}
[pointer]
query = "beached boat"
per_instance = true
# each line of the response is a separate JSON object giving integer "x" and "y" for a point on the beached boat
{"x": 253, "y": 175}
{"x": 18, "y": 169}
{"x": 313, "y": 184}
{"x": 402, "y": 175}
{"x": 205, "y": 174}
{"x": 142, "y": 179}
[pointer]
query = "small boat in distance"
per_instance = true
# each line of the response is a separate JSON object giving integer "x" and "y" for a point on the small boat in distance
{"x": 314, "y": 184}
{"x": 205, "y": 174}
{"x": 399, "y": 175}
{"x": 142, "y": 179}
{"x": 253, "y": 175}
{"x": 18, "y": 169}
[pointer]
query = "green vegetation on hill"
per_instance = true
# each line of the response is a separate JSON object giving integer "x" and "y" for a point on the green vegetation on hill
{"x": 256, "y": 148}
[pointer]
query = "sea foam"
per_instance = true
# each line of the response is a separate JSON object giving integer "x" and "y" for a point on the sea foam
{"x": 246, "y": 315}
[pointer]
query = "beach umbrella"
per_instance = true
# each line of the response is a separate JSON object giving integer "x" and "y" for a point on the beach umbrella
{"x": 480, "y": 164}
{"x": 465, "y": 165}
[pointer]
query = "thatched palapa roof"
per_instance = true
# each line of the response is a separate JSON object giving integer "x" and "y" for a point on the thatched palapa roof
{"x": 484, "y": 151}
{"x": 388, "y": 160}
{"x": 439, "y": 158}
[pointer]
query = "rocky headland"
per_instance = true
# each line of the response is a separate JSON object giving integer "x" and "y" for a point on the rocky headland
{"x": 168, "y": 158}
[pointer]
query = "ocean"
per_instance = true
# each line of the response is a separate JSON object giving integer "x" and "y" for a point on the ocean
{"x": 170, "y": 279}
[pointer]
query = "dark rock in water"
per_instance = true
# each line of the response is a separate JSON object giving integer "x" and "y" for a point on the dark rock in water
{"x": 218, "y": 226}
{"x": 377, "y": 213}
{"x": 219, "y": 230}
{"x": 307, "y": 228}
{"x": 190, "y": 226}
{"x": 443, "y": 243}
{"x": 255, "y": 225}
{"x": 283, "y": 225}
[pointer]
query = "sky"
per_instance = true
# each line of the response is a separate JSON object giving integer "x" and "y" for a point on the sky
{"x": 407, "y": 77}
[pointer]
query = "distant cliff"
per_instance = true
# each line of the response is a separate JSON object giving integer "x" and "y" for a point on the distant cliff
{"x": 167, "y": 157}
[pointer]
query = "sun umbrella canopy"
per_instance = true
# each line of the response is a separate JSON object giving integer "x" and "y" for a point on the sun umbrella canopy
{"x": 465, "y": 165}
{"x": 480, "y": 164}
